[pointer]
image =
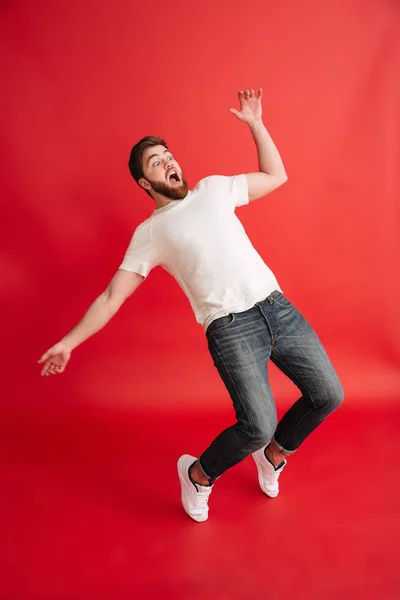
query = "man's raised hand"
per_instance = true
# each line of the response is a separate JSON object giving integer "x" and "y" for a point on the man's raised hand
{"x": 250, "y": 106}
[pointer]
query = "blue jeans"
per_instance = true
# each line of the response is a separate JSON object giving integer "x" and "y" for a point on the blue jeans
{"x": 240, "y": 345}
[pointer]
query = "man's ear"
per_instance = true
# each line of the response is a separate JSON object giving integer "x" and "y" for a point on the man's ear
{"x": 144, "y": 184}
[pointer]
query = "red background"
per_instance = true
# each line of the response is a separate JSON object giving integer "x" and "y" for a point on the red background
{"x": 83, "y": 81}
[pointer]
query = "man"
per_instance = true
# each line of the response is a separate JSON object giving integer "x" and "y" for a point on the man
{"x": 196, "y": 236}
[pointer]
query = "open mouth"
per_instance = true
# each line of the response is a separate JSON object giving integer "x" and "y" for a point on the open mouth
{"x": 173, "y": 177}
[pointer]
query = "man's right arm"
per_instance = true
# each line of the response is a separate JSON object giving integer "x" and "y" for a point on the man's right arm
{"x": 121, "y": 286}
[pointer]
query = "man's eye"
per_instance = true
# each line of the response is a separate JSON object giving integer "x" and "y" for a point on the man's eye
{"x": 156, "y": 163}
{"x": 169, "y": 157}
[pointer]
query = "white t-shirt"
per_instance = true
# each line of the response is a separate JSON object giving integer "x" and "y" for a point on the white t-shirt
{"x": 200, "y": 241}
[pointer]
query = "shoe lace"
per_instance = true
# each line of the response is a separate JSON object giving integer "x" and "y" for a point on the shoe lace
{"x": 202, "y": 498}
{"x": 274, "y": 475}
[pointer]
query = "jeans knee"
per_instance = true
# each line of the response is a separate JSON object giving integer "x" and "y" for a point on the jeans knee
{"x": 334, "y": 396}
{"x": 338, "y": 396}
{"x": 262, "y": 432}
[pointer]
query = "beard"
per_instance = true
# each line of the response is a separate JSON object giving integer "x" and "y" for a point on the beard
{"x": 173, "y": 192}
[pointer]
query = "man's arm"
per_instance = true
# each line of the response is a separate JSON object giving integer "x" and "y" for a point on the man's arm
{"x": 121, "y": 286}
{"x": 272, "y": 172}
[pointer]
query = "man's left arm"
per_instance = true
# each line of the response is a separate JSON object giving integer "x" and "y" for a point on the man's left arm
{"x": 272, "y": 172}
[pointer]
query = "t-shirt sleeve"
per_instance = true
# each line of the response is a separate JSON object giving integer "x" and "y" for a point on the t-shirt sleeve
{"x": 238, "y": 189}
{"x": 141, "y": 256}
{"x": 233, "y": 189}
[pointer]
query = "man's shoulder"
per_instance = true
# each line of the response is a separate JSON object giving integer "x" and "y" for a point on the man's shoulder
{"x": 222, "y": 183}
{"x": 214, "y": 178}
{"x": 145, "y": 224}
{"x": 211, "y": 180}
{"x": 142, "y": 228}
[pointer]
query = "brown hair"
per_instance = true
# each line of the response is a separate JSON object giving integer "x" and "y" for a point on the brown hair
{"x": 135, "y": 159}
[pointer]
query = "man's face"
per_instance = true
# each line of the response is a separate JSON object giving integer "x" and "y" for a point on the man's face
{"x": 163, "y": 173}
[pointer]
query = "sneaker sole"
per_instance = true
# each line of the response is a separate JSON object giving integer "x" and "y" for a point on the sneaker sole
{"x": 267, "y": 493}
{"x": 181, "y": 466}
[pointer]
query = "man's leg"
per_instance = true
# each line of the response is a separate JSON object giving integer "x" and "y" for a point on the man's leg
{"x": 197, "y": 474}
{"x": 240, "y": 346}
{"x": 298, "y": 352}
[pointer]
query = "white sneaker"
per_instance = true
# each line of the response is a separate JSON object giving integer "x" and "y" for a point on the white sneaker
{"x": 194, "y": 496}
{"x": 267, "y": 474}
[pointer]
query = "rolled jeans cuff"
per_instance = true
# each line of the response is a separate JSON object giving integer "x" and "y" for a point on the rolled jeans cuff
{"x": 282, "y": 449}
{"x": 210, "y": 479}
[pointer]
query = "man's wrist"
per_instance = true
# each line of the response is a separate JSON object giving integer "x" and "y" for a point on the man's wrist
{"x": 68, "y": 345}
{"x": 254, "y": 125}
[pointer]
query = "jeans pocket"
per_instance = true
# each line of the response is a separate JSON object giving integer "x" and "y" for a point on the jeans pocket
{"x": 221, "y": 324}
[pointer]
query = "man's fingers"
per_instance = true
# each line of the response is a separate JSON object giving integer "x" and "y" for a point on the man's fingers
{"x": 246, "y": 94}
{"x": 51, "y": 369}
{"x": 48, "y": 369}
{"x": 45, "y": 369}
